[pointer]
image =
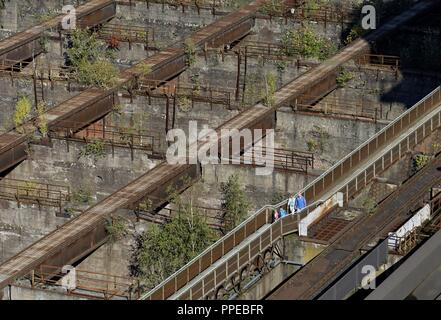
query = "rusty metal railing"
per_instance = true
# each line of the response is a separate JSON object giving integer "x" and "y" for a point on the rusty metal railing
{"x": 338, "y": 177}
{"x": 341, "y": 106}
{"x": 213, "y": 216}
{"x": 380, "y": 60}
{"x": 283, "y": 159}
{"x": 30, "y": 192}
{"x": 122, "y": 137}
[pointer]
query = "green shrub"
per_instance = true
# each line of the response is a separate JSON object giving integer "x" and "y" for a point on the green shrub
{"x": 116, "y": 228}
{"x": 190, "y": 52}
{"x": 42, "y": 121}
{"x": 90, "y": 60}
{"x": 95, "y": 150}
{"x": 369, "y": 205}
{"x": 82, "y": 196}
{"x": 162, "y": 250}
{"x": 184, "y": 103}
{"x": 343, "y": 78}
{"x": 22, "y": 112}
{"x": 273, "y": 8}
{"x": 235, "y": 204}
{"x": 100, "y": 73}
{"x": 270, "y": 90}
{"x": 421, "y": 160}
{"x": 306, "y": 43}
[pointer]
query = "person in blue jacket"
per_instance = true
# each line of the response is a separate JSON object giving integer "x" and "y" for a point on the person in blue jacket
{"x": 300, "y": 202}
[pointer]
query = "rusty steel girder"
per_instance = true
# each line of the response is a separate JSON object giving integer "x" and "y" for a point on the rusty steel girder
{"x": 88, "y": 113}
{"x": 318, "y": 90}
{"x": 169, "y": 69}
{"x": 182, "y": 179}
{"x": 98, "y": 17}
{"x": 233, "y": 34}
{"x": 89, "y": 241}
{"x": 21, "y": 53}
{"x": 12, "y": 156}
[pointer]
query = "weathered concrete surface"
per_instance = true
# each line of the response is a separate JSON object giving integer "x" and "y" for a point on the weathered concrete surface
{"x": 25, "y": 293}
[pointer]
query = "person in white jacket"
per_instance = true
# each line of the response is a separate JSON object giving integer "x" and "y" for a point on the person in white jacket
{"x": 291, "y": 204}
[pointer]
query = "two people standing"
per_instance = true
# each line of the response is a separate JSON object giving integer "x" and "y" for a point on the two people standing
{"x": 297, "y": 203}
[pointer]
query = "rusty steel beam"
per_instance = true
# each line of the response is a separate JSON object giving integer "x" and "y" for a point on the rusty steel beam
{"x": 12, "y": 150}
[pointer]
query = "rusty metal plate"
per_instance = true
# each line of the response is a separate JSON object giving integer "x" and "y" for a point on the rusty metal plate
{"x": 185, "y": 295}
{"x": 428, "y": 128}
{"x": 420, "y": 134}
{"x": 232, "y": 264}
{"x": 244, "y": 256}
{"x": 364, "y": 152}
{"x": 24, "y": 52}
{"x": 193, "y": 270}
{"x": 372, "y": 146}
{"x": 216, "y": 253}
{"x": 239, "y": 236}
{"x": 318, "y": 188}
{"x": 403, "y": 147}
{"x": 361, "y": 181}
{"x": 396, "y": 153}
{"x": 254, "y": 248}
{"x": 169, "y": 288}
{"x": 412, "y": 141}
{"x": 309, "y": 194}
{"x": 387, "y": 159}
{"x": 346, "y": 166}
{"x": 355, "y": 159}
{"x": 205, "y": 261}
{"x": 209, "y": 282}
{"x": 381, "y": 140}
{"x": 221, "y": 274}
{"x": 196, "y": 291}
{"x": 370, "y": 173}
{"x": 351, "y": 188}
{"x": 276, "y": 230}
{"x": 265, "y": 239}
{"x": 158, "y": 294}
{"x": 289, "y": 224}
{"x": 328, "y": 180}
{"x": 413, "y": 115}
{"x": 250, "y": 228}
{"x": 181, "y": 279}
{"x": 261, "y": 219}
{"x": 228, "y": 243}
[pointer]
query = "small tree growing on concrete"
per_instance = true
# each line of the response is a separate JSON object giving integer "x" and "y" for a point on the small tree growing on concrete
{"x": 116, "y": 228}
{"x": 162, "y": 250}
{"x": 22, "y": 112}
{"x": 95, "y": 150}
{"x": 270, "y": 89}
{"x": 235, "y": 204}
{"x": 90, "y": 60}
{"x": 42, "y": 121}
{"x": 190, "y": 52}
